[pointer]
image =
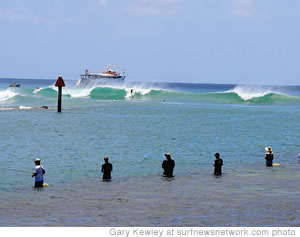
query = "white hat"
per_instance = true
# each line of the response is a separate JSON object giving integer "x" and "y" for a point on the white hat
{"x": 268, "y": 148}
{"x": 37, "y": 159}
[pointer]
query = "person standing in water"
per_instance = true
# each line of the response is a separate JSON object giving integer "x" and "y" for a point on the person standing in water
{"x": 218, "y": 164}
{"x": 106, "y": 169}
{"x": 269, "y": 156}
{"x": 38, "y": 174}
{"x": 168, "y": 165}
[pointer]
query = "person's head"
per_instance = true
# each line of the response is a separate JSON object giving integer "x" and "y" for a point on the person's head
{"x": 106, "y": 159}
{"x": 217, "y": 155}
{"x": 268, "y": 149}
{"x": 37, "y": 161}
{"x": 168, "y": 156}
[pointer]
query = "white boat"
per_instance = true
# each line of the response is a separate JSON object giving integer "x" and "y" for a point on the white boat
{"x": 110, "y": 73}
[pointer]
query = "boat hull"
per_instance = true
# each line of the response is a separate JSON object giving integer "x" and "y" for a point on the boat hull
{"x": 102, "y": 80}
{"x": 15, "y": 85}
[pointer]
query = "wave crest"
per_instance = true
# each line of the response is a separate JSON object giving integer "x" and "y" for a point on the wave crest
{"x": 238, "y": 95}
{"x": 250, "y": 92}
{"x": 7, "y": 94}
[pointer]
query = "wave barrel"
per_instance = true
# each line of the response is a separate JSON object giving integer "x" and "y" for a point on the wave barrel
{"x": 60, "y": 84}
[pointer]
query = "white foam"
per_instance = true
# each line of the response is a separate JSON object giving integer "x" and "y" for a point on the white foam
{"x": 36, "y": 90}
{"x": 77, "y": 93}
{"x": 7, "y": 94}
{"x": 24, "y": 107}
{"x": 130, "y": 92}
{"x": 247, "y": 92}
{"x": 5, "y": 109}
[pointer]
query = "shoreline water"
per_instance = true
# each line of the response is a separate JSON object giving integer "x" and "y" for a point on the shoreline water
{"x": 194, "y": 200}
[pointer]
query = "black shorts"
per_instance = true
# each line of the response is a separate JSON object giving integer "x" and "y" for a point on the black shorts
{"x": 38, "y": 184}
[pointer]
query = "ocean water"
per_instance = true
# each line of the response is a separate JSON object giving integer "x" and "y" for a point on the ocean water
{"x": 191, "y": 121}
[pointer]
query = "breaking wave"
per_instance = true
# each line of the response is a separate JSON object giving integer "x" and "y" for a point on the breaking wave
{"x": 237, "y": 95}
{"x": 6, "y": 95}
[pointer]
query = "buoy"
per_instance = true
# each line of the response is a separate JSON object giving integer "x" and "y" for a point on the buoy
{"x": 45, "y": 185}
{"x": 276, "y": 164}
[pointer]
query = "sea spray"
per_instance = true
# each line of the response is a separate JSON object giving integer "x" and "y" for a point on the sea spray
{"x": 247, "y": 92}
{"x": 7, "y": 94}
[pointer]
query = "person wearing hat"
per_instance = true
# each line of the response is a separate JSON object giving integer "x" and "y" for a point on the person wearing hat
{"x": 168, "y": 165}
{"x": 269, "y": 156}
{"x": 38, "y": 174}
{"x": 218, "y": 164}
{"x": 106, "y": 169}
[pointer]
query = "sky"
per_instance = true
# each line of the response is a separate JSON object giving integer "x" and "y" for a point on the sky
{"x": 196, "y": 41}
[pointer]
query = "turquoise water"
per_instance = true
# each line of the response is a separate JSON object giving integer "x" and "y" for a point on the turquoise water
{"x": 191, "y": 121}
